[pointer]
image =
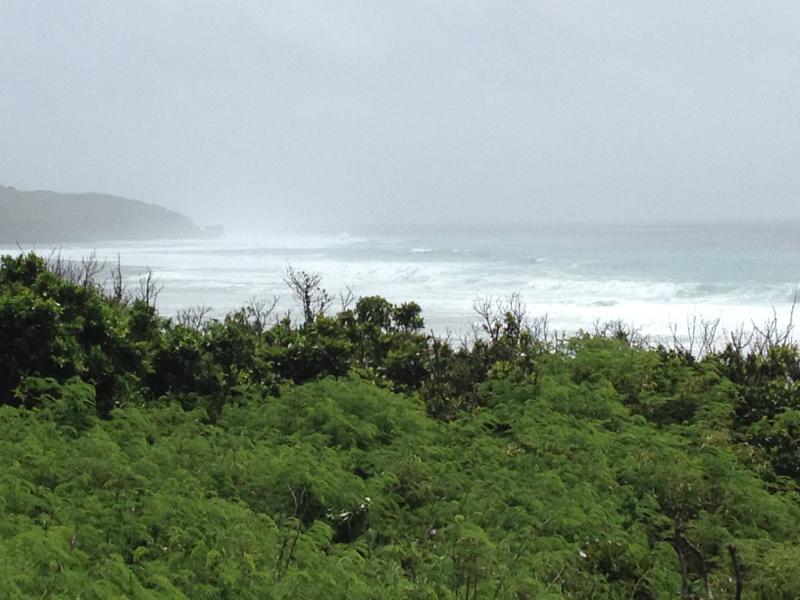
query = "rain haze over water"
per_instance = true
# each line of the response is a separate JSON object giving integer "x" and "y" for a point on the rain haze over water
{"x": 646, "y": 154}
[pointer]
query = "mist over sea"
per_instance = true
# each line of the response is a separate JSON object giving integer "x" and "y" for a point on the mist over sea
{"x": 646, "y": 275}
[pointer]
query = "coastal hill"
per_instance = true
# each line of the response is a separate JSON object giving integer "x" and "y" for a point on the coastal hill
{"x": 48, "y": 217}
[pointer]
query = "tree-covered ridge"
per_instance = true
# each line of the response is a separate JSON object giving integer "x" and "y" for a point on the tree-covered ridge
{"x": 52, "y": 217}
{"x": 353, "y": 456}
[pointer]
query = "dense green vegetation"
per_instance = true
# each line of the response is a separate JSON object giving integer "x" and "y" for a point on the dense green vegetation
{"x": 353, "y": 456}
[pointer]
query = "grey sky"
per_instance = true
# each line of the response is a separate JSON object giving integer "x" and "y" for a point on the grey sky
{"x": 341, "y": 112}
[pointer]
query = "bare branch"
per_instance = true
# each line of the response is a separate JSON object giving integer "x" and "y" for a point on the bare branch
{"x": 309, "y": 293}
{"x": 149, "y": 289}
{"x": 193, "y": 317}
{"x": 346, "y": 298}
{"x": 487, "y": 311}
{"x": 118, "y": 293}
{"x": 258, "y": 310}
{"x": 539, "y": 328}
{"x": 82, "y": 273}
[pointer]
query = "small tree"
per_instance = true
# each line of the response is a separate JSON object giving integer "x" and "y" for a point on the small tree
{"x": 309, "y": 293}
{"x": 149, "y": 289}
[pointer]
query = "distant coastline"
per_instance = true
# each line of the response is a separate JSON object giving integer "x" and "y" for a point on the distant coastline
{"x": 51, "y": 217}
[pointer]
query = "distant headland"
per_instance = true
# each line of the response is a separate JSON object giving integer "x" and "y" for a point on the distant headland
{"x": 52, "y": 217}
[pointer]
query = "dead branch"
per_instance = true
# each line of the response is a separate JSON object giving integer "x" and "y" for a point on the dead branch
{"x": 309, "y": 293}
{"x": 82, "y": 273}
{"x": 118, "y": 292}
{"x": 346, "y": 298}
{"x": 490, "y": 323}
{"x": 149, "y": 289}
{"x": 193, "y": 317}
{"x": 258, "y": 310}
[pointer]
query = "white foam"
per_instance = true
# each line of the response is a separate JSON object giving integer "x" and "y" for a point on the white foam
{"x": 226, "y": 273}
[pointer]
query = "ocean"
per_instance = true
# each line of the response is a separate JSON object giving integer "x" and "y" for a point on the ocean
{"x": 649, "y": 276}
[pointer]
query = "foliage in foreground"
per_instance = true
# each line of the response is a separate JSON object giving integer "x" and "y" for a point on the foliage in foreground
{"x": 353, "y": 457}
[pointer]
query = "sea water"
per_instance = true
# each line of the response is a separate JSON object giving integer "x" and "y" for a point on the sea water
{"x": 650, "y": 276}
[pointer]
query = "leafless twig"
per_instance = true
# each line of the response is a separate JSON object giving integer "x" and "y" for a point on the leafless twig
{"x": 193, "y": 316}
{"x": 149, "y": 288}
{"x": 309, "y": 293}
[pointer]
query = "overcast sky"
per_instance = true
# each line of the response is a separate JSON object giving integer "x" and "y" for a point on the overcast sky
{"x": 335, "y": 113}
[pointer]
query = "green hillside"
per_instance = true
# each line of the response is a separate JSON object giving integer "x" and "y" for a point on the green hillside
{"x": 50, "y": 217}
{"x": 350, "y": 455}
